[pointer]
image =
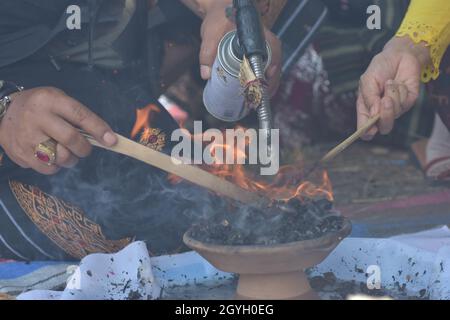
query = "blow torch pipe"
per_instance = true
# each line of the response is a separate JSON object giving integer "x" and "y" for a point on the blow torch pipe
{"x": 251, "y": 43}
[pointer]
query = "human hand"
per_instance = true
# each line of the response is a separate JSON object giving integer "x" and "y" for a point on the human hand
{"x": 36, "y": 115}
{"x": 215, "y": 26}
{"x": 391, "y": 84}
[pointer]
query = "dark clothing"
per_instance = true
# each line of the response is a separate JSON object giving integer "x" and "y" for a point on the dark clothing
{"x": 107, "y": 200}
{"x": 124, "y": 198}
{"x": 26, "y": 26}
{"x": 439, "y": 91}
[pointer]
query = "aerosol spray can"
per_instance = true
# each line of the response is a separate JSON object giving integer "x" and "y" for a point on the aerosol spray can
{"x": 223, "y": 95}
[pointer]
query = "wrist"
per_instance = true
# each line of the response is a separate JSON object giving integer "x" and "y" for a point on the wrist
{"x": 5, "y": 106}
{"x": 7, "y": 91}
{"x": 405, "y": 43}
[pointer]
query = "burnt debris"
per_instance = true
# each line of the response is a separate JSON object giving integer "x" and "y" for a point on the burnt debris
{"x": 296, "y": 220}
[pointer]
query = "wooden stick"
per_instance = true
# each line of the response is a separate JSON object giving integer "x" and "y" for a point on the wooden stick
{"x": 350, "y": 140}
{"x": 342, "y": 146}
{"x": 188, "y": 172}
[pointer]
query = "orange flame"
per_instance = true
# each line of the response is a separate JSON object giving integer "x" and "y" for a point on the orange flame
{"x": 275, "y": 190}
{"x": 143, "y": 118}
{"x": 284, "y": 186}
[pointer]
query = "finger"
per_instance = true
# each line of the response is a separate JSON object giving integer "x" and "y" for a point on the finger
{"x": 21, "y": 163}
{"x": 44, "y": 169}
{"x": 81, "y": 117}
{"x": 66, "y": 135}
{"x": 273, "y": 73}
{"x": 211, "y": 37}
{"x": 392, "y": 90}
{"x": 409, "y": 75}
{"x": 36, "y": 164}
{"x": 17, "y": 156}
{"x": 362, "y": 117}
{"x": 275, "y": 47}
{"x": 387, "y": 115}
{"x": 403, "y": 92}
{"x": 65, "y": 158}
{"x": 274, "y": 80}
{"x": 371, "y": 93}
{"x": 413, "y": 93}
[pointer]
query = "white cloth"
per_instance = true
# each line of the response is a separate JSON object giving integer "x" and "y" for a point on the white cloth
{"x": 418, "y": 262}
{"x": 131, "y": 274}
{"x": 124, "y": 275}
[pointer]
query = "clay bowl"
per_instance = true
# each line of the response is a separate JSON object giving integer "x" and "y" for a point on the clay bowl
{"x": 271, "y": 272}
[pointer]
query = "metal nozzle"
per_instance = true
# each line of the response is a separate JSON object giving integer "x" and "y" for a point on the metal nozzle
{"x": 264, "y": 110}
{"x": 252, "y": 42}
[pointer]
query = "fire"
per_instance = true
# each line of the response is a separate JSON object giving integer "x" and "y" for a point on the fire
{"x": 238, "y": 153}
{"x": 143, "y": 117}
{"x": 284, "y": 186}
{"x": 281, "y": 188}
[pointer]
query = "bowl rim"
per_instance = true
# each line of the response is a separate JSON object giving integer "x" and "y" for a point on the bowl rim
{"x": 322, "y": 243}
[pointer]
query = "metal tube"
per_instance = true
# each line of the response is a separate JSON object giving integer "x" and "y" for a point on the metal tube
{"x": 264, "y": 110}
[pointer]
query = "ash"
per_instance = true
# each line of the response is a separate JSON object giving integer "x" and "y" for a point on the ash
{"x": 282, "y": 223}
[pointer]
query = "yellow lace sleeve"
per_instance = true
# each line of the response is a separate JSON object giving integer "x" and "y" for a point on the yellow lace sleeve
{"x": 429, "y": 21}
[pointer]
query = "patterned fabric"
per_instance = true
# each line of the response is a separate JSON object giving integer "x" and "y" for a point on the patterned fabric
{"x": 153, "y": 138}
{"x": 65, "y": 224}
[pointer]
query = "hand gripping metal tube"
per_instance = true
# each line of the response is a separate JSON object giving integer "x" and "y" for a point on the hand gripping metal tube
{"x": 223, "y": 96}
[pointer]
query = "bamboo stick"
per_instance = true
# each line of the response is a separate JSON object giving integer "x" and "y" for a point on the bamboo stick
{"x": 188, "y": 172}
{"x": 350, "y": 140}
{"x": 342, "y": 146}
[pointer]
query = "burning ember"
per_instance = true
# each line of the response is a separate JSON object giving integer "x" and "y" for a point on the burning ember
{"x": 287, "y": 222}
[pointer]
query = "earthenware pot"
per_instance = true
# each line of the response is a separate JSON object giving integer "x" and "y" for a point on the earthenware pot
{"x": 271, "y": 272}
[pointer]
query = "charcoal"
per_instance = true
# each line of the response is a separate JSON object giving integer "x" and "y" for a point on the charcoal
{"x": 283, "y": 222}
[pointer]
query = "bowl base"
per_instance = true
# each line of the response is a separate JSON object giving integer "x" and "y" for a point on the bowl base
{"x": 280, "y": 286}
